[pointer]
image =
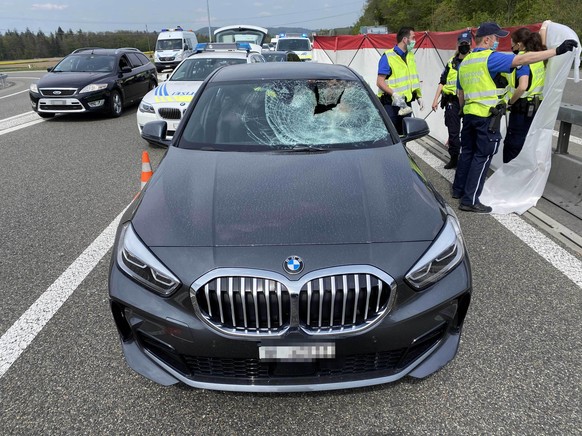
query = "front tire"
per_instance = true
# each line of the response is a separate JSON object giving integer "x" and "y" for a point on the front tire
{"x": 115, "y": 104}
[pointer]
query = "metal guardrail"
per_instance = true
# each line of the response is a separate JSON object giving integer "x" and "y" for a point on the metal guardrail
{"x": 3, "y": 80}
{"x": 567, "y": 115}
{"x": 563, "y": 187}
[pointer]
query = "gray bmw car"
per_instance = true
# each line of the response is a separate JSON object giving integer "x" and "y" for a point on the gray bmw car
{"x": 288, "y": 242}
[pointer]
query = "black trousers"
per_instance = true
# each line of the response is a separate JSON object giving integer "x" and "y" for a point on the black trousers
{"x": 517, "y": 128}
{"x": 453, "y": 123}
{"x": 396, "y": 119}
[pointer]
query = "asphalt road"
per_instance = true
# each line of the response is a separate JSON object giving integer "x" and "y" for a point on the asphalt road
{"x": 64, "y": 180}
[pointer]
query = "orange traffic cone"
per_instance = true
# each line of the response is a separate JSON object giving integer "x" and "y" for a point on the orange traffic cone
{"x": 146, "y": 169}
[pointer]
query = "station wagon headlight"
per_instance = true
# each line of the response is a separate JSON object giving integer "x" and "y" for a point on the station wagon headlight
{"x": 136, "y": 260}
{"x": 93, "y": 87}
{"x": 146, "y": 107}
{"x": 445, "y": 253}
{"x": 34, "y": 88}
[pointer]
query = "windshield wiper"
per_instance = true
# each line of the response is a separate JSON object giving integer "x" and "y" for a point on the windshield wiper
{"x": 303, "y": 149}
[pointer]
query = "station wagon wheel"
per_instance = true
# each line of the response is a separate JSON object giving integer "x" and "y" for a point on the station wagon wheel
{"x": 115, "y": 104}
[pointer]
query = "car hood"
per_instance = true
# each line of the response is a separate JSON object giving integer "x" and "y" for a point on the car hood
{"x": 213, "y": 199}
{"x": 70, "y": 80}
{"x": 173, "y": 92}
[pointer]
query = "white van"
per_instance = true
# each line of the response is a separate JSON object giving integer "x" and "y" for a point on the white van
{"x": 172, "y": 46}
{"x": 298, "y": 43}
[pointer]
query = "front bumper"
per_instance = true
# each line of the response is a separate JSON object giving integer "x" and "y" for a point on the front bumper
{"x": 164, "y": 340}
{"x": 160, "y": 66}
{"x": 76, "y": 103}
{"x": 171, "y": 113}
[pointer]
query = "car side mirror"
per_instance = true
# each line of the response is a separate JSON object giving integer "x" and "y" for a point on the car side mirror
{"x": 186, "y": 47}
{"x": 49, "y": 69}
{"x": 413, "y": 128}
{"x": 126, "y": 69}
{"x": 155, "y": 132}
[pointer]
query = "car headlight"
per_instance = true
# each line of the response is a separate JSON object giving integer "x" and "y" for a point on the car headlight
{"x": 34, "y": 88}
{"x": 445, "y": 253}
{"x": 94, "y": 87}
{"x": 136, "y": 260}
{"x": 146, "y": 107}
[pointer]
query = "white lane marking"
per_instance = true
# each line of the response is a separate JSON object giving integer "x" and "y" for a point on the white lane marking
{"x": 24, "y": 330}
{"x": 573, "y": 139}
{"x": 16, "y": 93}
{"x": 16, "y": 116}
{"x": 18, "y": 122}
{"x": 563, "y": 261}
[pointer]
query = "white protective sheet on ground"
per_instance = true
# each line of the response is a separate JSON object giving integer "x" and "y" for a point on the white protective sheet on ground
{"x": 519, "y": 184}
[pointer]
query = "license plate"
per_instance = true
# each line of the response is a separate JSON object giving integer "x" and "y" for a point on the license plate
{"x": 58, "y": 102}
{"x": 298, "y": 353}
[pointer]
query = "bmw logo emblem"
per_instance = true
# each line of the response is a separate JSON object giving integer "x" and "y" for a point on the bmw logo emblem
{"x": 293, "y": 265}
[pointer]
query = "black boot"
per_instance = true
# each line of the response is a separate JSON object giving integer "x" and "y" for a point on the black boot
{"x": 452, "y": 163}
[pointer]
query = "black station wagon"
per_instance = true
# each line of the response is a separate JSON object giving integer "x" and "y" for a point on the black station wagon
{"x": 94, "y": 80}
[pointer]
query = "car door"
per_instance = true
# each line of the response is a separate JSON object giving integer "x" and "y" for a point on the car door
{"x": 128, "y": 80}
{"x": 141, "y": 73}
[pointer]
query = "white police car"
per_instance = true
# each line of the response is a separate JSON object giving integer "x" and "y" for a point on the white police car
{"x": 300, "y": 44}
{"x": 169, "y": 100}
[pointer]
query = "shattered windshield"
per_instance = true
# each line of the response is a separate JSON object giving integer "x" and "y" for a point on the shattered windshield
{"x": 284, "y": 114}
{"x": 197, "y": 69}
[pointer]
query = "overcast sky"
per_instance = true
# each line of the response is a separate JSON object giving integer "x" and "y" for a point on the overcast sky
{"x": 103, "y": 15}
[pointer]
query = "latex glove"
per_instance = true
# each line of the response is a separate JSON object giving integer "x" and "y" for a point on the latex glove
{"x": 566, "y": 46}
{"x": 398, "y": 100}
{"x": 420, "y": 102}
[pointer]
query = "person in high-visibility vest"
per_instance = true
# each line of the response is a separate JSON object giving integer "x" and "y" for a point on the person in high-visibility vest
{"x": 398, "y": 82}
{"x": 526, "y": 85}
{"x": 483, "y": 104}
{"x": 447, "y": 92}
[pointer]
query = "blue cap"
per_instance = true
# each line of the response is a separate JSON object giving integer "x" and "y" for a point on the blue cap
{"x": 486, "y": 29}
{"x": 464, "y": 37}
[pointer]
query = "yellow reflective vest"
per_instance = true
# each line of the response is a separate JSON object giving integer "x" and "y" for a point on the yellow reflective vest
{"x": 451, "y": 85}
{"x": 479, "y": 89}
{"x": 537, "y": 80}
{"x": 404, "y": 78}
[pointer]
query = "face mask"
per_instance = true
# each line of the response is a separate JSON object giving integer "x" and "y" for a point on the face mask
{"x": 495, "y": 45}
{"x": 410, "y": 45}
{"x": 464, "y": 49}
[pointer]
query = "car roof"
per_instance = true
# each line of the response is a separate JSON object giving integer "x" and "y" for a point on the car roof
{"x": 284, "y": 70}
{"x": 228, "y": 54}
{"x": 277, "y": 52}
{"x": 106, "y": 51}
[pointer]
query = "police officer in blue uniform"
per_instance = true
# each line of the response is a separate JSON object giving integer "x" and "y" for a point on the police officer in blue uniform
{"x": 483, "y": 104}
{"x": 398, "y": 82}
{"x": 525, "y": 95}
{"x": 447, "y": 92}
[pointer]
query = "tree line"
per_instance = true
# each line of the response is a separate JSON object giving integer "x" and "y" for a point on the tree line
{"x": 446, "y": 15}
{"x": 28, "y": 45}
